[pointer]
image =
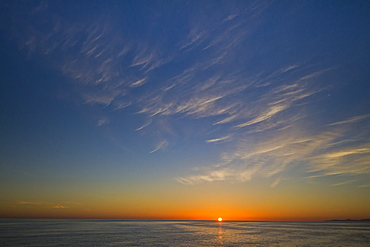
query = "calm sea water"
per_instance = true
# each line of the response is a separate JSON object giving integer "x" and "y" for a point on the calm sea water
{"x": 181, "y": 233}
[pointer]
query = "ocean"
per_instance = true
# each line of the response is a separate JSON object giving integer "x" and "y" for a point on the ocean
{"x": 181, "y": 233}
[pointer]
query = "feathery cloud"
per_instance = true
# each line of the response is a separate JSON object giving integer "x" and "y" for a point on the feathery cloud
{"x": 266, "y": 156}
{"x": 160, "y": 146}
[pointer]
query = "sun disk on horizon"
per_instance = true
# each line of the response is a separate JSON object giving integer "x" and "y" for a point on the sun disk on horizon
{"x": 220, "y": 219}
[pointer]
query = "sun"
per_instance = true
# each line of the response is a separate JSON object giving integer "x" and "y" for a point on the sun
{"x": 220, "y": 219}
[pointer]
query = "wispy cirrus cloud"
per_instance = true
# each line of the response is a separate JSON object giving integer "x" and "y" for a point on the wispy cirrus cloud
{"x": 332, "y": 151}
{"x": 59, "y": 207}
{"x": 343, "y": 183}
{"x": 351, "y": 120}
{"x": 144, "y": 125}
{"x": 108, "y": 67}
{"x": 216, "y": 175}
{"x": 275, "y": 183}
{"x": 103, "y": 121}
{"x": 220, "y": 139}
{"x": 159, "y": 146}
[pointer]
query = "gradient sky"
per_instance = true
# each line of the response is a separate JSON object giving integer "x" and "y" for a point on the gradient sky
{"x": 246, "y": 110}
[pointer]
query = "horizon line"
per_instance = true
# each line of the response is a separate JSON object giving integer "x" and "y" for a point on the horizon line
{"x": 215, "y": 220}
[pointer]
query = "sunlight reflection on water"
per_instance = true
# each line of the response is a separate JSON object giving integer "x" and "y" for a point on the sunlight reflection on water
{"x": 181, "y": 233}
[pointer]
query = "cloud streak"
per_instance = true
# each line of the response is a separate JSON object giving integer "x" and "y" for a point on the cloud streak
{"x": 221, "y": 139}
{"x": 160, "y": 146}
{"x": 323, "y": 152}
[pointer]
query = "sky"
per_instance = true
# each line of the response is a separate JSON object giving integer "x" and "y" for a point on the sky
{"x": 186, "y": 110}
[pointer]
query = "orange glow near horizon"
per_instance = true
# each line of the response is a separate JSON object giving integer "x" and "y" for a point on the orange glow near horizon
{"x": 261, "y": 204}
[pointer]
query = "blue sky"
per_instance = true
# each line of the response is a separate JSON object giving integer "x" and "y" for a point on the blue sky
{"x": 182, "y": 93}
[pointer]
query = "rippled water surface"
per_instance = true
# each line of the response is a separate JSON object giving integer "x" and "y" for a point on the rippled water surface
{"x": 181, "y": 233}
